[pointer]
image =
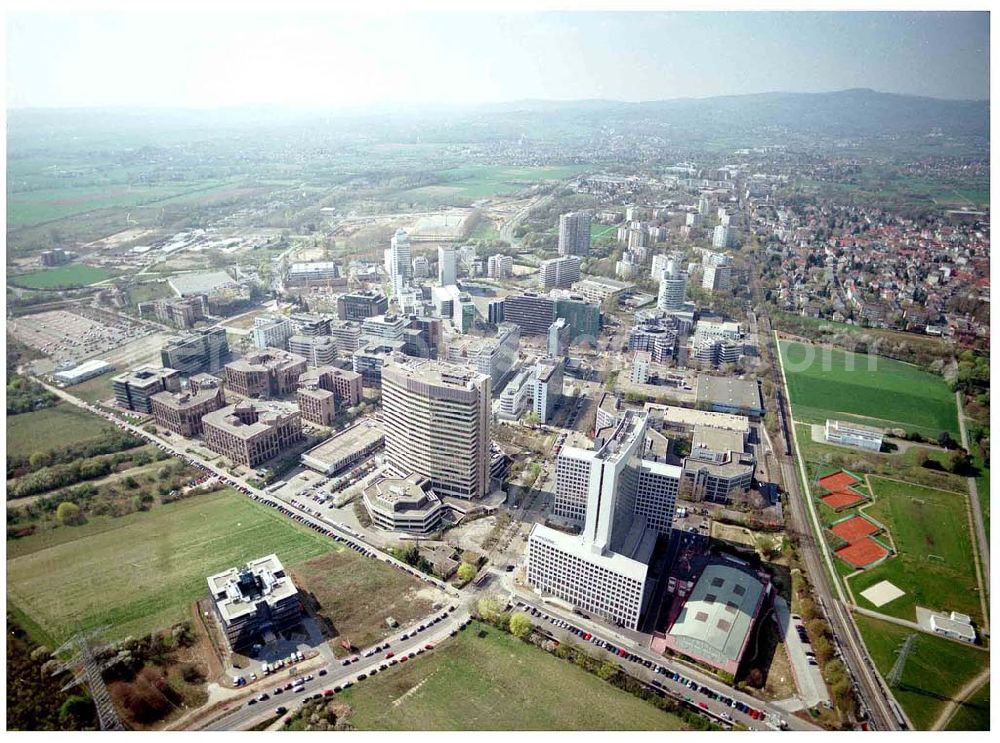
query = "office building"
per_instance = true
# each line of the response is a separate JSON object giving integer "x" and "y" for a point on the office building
{"x": 400, "y": 261}
{"x": 268, "y": 373}
{"x": 657, "y": 336}
{"x": 717, "y": 278}
{"x": 182, "y": 411}
{"x": 317, "y": 350}
{"x": 500, "y": 266}
{"x": 693, "y": 219}
{"x": 640, "y": 367}
{"x": 494, "y": 357}
{"x": 721, "y": 237}
{"x": 255, "y": 602}
{"x": 421, "y": 267}
{"x": 345, "y": 384}
{"x": 315, "y": 273}
{"x": 447, "y": 274}
{"x": 346, "y": 335}
{"x": 310, "y": 323}
{"x": 271, "y": 331}
{"x": 558, "y": 343}
{"x": 729, "y": 395}
{"x": 719, "y": 467}
{"x": 361, "y": 304}
{"x": 531, "y": 312}
{"x": 345, "y": 449}
{"x": 673, "y": 286}
{"x": 384, "y": 327}
{"x": 547, "y": 387}
{"x": 494, "y": 312}
{"x": 181, "y": 313}
{"x": 582, "y": 316}
{"x": 574, "y": 234}
{"x": 252, "y": 432}
{"x": 853, "y": 434}
{"x": 316, "y": 405}
{"x": 599, "y": 290}
{"x": 369, "y": 359}
{"x": 603, "y": 570}
{"x": 516, "y": 396}
{"x": 436, "y": 418}
{"x": 423, "y": 337}
{"x": 82, "y": 372}
{"x": 134, "y": 390}
{"x": 559, "y": 273}
{"x": 199, "y": 351}
{"x": 406, "y": 504}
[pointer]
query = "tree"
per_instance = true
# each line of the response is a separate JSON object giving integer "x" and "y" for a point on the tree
{"x": 532, "y": 419}
{"x": 489, "y": 608}
{"x": 69, "y": 513}
{"x": 466, "y": 572}
{"x": 607, "y": 670}
{"x": 946, "y": 441}
{"x": 959, "y": 461}
{"x": 921, "y": 458}
{"x": 520, "y": 625}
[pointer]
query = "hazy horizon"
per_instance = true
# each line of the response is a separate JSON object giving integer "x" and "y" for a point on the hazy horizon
{"x": 345, "y": 62}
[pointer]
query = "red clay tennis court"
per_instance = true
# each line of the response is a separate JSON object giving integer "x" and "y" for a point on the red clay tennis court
{"x": 854, "y": 528}
{"x": 842, "y": 499}
{"x": 862, "y": 553}
{"x": 837, "y": 481}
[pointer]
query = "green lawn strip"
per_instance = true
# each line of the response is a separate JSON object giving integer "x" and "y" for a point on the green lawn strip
{"x": 934, "y": 561}
{"x": 875, "y": 388}
{"x": 496, "y": 682}
{"x": 144, "y": 574}
{"x": 45, "y": 429}
{"x": 935, "y": 670}
{"x": 64, "y": 276}
{"x": 973, "y": 713}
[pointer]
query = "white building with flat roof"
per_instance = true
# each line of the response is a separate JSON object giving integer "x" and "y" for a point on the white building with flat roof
{"x": 853, "y": 434}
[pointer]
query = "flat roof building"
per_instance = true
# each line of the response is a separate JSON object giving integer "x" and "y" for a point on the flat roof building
{"x": 494, "y": 357}
{"x": 134, "y": 390}
{"x": 317, "y": 350}
{"x": 268, "y": 373}
{"x": 207, "y": 282}
{"x": 271, "y": 331}
{"x": 255, "y": 600}
{"x": 345, "y": 448}
{"x": 730, "y": 395}
{"x": 251, "y": 432}
{"x": 598, "y": 289}
{"x": 182, "y": 411}
{"x": 853, "y": 434}
{"x": 82, "y": 372}
{"x": 403, "y": 504}
{"x": 437, "y": 418}
{"x": 199, "y": 351}
{"x": 361, "y": 304}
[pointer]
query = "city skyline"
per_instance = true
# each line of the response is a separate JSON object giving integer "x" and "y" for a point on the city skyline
{"x": 309, "y": 60}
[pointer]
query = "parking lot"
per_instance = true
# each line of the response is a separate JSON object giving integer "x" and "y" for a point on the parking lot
{"x": 70, "y": 336}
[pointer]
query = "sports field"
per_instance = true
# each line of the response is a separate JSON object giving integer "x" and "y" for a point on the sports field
{"x": 934, "y": 560}
{"x": 141, "y": 572}
{"x": 485, "y": 679}
{"x": 830, "y": 383}
{"x": 73, "y": 275}
{"x": 935, "y": 670}
{"x": 48, "y": 428}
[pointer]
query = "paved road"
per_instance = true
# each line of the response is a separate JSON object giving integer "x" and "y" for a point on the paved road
{"x": 882, "y": 709}
{"x": 239, "y": 714}
{"x": 977, "y": 511}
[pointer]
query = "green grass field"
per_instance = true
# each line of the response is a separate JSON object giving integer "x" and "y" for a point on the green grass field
{"x": 142, "y": 572}
{"x": 49, "y": 428}
{"x": 934, "y": 566}
{"x": 462, "y": 186}
{"x": 879, "y": 391}
{"x": 935, "y": 670}
{"x": 484, "y": 230}
{"x": 602, "y": 231}
{"x": 357, "y": 595}
{"x": 974, "y": 714}
{"x": 496, "y": 682}
{"x": 73, "y": 275}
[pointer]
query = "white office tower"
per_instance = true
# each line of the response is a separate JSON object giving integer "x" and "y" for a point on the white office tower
{"x": 673, "y": 286}
{"x": 704, "y": 205}
{"x": 602, "y": 570}
{"x": 717, "y": 277}
{"x": 500, "y": 266}
{"x": 559, "y": 273}
{"x": 659, "y": 266}
{"x": 437, "y": 420}
{"x": 271, "y": 331}
{"x": 400, "y": 263}
{"x": 721, "y": 237}
{"x": 574, "y": 233}
{"x": 446, "y": 265}
{"x": 693, "y": 219}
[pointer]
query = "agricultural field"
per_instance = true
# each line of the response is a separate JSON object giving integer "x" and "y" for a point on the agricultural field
{"x": 141, "y": 572}
{"x": 934, "y": 564}
{"x": 49, "y": 428}
{"x": 63, "y": 277}
{"x": 356, "y": 595}
{"x": 974, "y": 712}
{"x": 485, "y": 679}
{"x": 868, "y": 389}
{"x": 935, "y": 670}
{"x": 462, "y": 186}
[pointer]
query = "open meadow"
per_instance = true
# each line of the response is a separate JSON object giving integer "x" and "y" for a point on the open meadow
{"x": 49, "y": 428}
{"x": 936, "y": 668}
{"x": 830, "y": 383}
{"x": 934, "y": 564}
{"x": 485, "y": 679}
{"x": 462, "y": 186}
{"x": 142, "y": 572}
{"x": 63, "y": 277}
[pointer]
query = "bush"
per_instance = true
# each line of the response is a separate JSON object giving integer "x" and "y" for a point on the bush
{"x": 69, "y": 514}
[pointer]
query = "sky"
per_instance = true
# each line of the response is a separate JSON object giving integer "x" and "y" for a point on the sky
{"x": 212, "y": 59}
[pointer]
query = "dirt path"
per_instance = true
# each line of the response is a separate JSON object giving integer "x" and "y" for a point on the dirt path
{"x": 964, "y": 693}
